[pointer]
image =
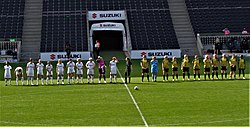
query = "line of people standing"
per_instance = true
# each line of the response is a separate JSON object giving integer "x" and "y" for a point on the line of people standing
{"x": 73, "y": 70}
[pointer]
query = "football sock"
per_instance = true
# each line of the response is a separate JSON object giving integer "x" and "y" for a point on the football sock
{"x": 115, "y": 78}
{"x": 183, "y": 75}
{"x": 42, "y": 80}
{"x": 205, "y": 76}
{"x": 225, "y": 75}
{"x": 93, "y": 79}
{"x": 125, "y": 79}
{"x": 104, "y": 77}
{"x": 222, "y": 75}
{"x": 209, "y": 76}
{"x": 82, "y": 79}
{"x": 32, "y": 80}
{"x": 22, "y": 80}
{"x": 164, "y": 77}
{"x": 217, "y": 75}
{"x": 199, "y": 75}
{"x": 177, "y": 76}
{"x": 188, "y": 75}
{"x": 167, "y": 76}
{"x": 142, "y": 78}
{"x": 110, "y": 78}
{"x": 148, "y": 77}
{"x": 16, "y": 80}
{"x": 243, "y": 72}
{"x": 129, "y": 79}
{"x": 68, "y": 79}
{"x": 212, "y": 74}
{"x": 88, "y": 78}
{"x": 173, "y": 76}
{"x": 194, "y": 76}
{"x": 58, "y": 78}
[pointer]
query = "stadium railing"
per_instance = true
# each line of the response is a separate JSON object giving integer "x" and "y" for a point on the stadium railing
{"x": 10, "y": 51}
{"x": 206, "y": 42}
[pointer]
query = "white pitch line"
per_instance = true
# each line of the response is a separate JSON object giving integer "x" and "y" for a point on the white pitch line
{"x": 221, "y": 121}
{"x": 132, "y": 97}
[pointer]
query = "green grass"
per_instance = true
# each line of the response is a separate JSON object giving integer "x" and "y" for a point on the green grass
{"x": 198, "y": 103}
{"x": 189, "y": 103}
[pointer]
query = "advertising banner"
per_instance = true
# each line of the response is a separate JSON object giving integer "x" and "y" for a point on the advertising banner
{"x": 54, "y": 56}
{"x": 137, "y": 54}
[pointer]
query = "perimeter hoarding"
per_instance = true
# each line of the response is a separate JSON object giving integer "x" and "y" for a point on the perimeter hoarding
{"x": 54, "y": 56}
{"x": 137, "y": 54}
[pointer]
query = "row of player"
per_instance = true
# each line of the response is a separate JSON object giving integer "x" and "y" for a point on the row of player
{"x": 90, "y": 65}
{"x": 215, "y": 63}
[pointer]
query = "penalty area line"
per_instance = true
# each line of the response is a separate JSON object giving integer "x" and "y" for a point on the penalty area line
{"x": 132, "y": 97}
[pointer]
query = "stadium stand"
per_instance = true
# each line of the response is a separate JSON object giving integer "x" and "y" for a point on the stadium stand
{"x": 11, "y": 19}
{"x": 212, "y": 16}
{"x": 64, "y": 21}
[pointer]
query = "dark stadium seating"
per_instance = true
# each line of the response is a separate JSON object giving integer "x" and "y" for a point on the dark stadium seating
{"x": 217, "y": 3}
{"x": 79, "y": 5}
{"x": 11, "y": 19}
{"x": 152, "y": 30}
{"x": 212, "y": 16}
{"x": 58, "y": 30}
{"x": 149, "y": 20}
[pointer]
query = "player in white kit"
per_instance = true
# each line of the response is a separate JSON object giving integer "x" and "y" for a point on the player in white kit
{"x": 49, "y": 70}
{"x": 79, "y": 70}
{"x": 39, "y": 68}
{"x": 90, "y": 65}
{"x": 30, "y": 71}
{"x": 60, "y": 71}
{"x": 71, "y": 70}
{"x": 7, "y": 73}
{"x": 19, "y": 74}
{"x": 113, "y": 69}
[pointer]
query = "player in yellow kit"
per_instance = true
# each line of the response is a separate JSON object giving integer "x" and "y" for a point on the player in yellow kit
{"x": 207, "y": 66}
{"x": 145, "y": 67}
{"x": 232, "y": 63}
{"x": 242, "y": 66}
{"x": 215, "y": 66}
{"x": 196, "y": 67}
{"x": 165, "y": 68}
{"x": 224, "y": 65}
{"x": 174, "y": 68}
{"x": 185, "y": 67}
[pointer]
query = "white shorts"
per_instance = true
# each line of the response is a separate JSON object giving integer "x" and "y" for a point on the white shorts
{"x": 70, "y": 71}
{"x": 113, "y": 71}
{"x": 19, "y": 74}
{"x": 60, "y": 73}
{"x": 39, "y": 72}
{"x": 30, "y": 73}
{"x": 7, "y": 76}
{"x": 79, "y": 72}
{"x": 90, "y": 72}
{"x": 49, "y": 73}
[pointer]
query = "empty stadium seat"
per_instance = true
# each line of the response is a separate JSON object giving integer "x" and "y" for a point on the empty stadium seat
{"x": 212, "y": 16}
{"x": 11, "y": 19}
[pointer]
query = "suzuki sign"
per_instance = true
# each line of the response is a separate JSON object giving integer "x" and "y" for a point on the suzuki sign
{"x": 54, "y": 56}
{"x": 106, "y": 15}
{"x": 137, "y": 54}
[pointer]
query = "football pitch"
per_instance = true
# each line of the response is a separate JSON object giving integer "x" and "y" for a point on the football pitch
{"x": 179, "y": 103}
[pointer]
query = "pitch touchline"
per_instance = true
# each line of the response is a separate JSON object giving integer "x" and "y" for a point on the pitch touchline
{"x": 132, "y": 97}
{"x": 222, "y": 121}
